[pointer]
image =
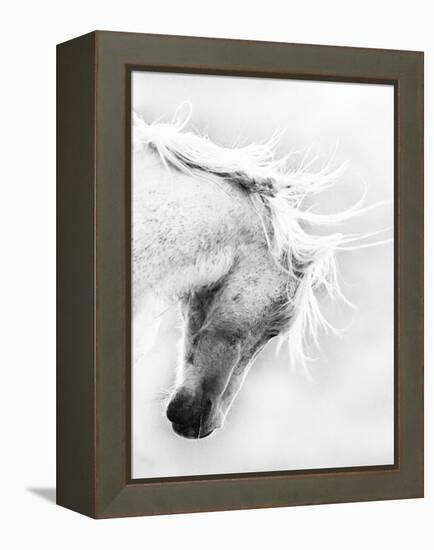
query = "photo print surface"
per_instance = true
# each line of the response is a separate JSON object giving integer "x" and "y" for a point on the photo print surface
{"x": 262, "y": 272}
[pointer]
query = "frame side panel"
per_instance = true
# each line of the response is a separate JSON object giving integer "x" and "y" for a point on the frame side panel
{"x": 410, "y": 273}
{"x": 75, "y": 275}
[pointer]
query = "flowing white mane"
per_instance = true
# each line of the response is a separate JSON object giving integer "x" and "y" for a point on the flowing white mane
{"x": 278, "y": 192}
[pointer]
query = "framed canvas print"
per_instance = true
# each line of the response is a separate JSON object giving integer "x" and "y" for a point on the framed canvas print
{"x": 240, "y": 262}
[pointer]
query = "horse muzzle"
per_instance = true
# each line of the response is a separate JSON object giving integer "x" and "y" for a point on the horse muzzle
{"x": 190, "y": 414}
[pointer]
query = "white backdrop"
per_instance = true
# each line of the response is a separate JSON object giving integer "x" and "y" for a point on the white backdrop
{"x": 280, "y": 419}
{"x": 29, "y": 32}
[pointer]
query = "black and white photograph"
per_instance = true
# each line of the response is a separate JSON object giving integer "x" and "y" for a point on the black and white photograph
{"x": 262, "y": 273}
{"x": 218, "y": 266}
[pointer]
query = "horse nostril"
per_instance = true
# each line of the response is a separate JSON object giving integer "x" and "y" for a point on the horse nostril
{"x": 180, "y": 407}
{"x": 188, "y": 409}
{"x": 171, "y": 411}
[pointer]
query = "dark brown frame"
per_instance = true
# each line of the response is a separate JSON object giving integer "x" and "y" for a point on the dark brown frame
{"x": 93, "y": 438}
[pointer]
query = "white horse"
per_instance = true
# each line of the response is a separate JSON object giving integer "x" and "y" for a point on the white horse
{"x": 225, "y": 233}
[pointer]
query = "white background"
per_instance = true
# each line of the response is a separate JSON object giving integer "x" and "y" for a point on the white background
{"x": 282, "y": 419}
{"x": 29, "y": 33}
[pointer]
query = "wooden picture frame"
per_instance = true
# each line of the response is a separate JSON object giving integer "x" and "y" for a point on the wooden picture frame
{"x": 93, "y": 363}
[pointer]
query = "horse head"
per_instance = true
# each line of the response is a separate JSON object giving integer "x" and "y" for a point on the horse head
{"x": 225, "y": 326}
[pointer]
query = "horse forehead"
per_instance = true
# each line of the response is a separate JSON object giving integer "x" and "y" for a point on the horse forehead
{"x": 208, "y": 268}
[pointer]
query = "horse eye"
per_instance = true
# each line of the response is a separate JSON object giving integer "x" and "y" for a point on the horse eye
{"x": 273, "y": 333}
